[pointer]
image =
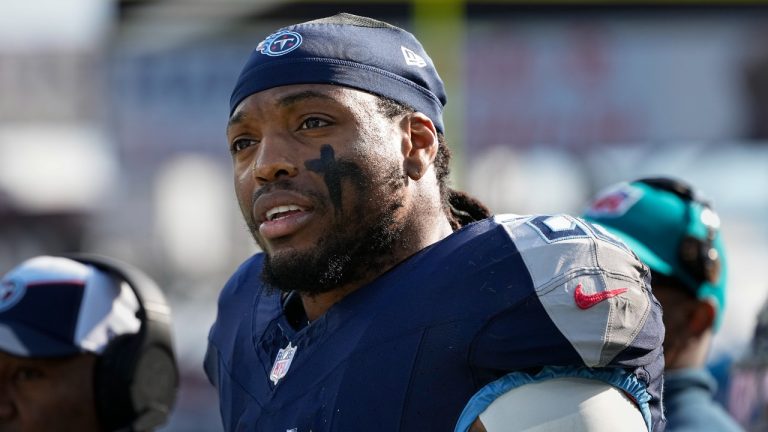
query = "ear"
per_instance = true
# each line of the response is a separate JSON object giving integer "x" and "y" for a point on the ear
{"x": 701, "y": 318}
{"x": 419, "y": 145}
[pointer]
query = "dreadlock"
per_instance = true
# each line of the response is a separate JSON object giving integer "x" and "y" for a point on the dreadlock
{"x": 460, "y": 208}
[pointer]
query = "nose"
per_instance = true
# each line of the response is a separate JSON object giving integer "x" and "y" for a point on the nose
{"x": 274, "y": 161}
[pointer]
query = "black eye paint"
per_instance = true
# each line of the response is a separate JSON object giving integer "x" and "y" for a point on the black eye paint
{"x": 333, "y": 172}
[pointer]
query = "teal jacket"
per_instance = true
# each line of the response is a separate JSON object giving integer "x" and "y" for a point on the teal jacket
{"x": 689, "y": 403}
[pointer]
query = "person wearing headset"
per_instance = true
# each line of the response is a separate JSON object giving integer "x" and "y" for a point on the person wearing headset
{"x": 85, "y": 346}
{"x": 676, "y": 234}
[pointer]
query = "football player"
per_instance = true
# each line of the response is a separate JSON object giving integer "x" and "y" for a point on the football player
{"x": 383, "y": 299}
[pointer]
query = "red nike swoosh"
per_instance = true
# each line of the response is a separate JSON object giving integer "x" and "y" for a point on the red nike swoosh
{"x": 586, "y": 301}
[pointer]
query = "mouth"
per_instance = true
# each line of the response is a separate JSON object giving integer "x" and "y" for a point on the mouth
{"x": 283, "y": 220}
{"x": 282, "y": 211}
{"x": 281, "y": 214}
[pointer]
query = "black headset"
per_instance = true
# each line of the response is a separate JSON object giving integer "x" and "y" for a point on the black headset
{"x": 136, "y": 377}
{"x": 699, "y": 258}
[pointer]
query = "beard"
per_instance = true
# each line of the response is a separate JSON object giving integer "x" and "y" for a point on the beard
{"x": 352, "y": 251}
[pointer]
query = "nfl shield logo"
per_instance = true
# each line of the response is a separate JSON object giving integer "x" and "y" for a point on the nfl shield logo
{"x": 282, "y": 363}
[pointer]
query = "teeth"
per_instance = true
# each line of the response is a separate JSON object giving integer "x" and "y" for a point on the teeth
{"x": 281, "y": 209}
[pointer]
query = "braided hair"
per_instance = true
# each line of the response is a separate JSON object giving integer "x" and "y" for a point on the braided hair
{"x": 460, "y": 208}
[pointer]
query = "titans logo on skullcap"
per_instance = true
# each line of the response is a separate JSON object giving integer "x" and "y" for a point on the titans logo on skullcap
{"x": 11, "y": 291}
{"x": 279, "y": 43}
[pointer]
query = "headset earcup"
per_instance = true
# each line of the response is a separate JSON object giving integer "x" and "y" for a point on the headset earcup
{"x": 135, "y": 387}
{"x": 136, "y": 376}
{"x": 153, "y": 391}
{"x": 113, "y": 379}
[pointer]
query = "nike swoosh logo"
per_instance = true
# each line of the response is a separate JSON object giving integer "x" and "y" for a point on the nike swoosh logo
{"x": 586, "y": 301}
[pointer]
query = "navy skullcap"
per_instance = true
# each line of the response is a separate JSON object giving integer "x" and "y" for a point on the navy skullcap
{"x": 351, "y": 51}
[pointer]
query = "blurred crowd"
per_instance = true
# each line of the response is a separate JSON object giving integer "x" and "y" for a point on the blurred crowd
{"x": 112, "y": 121}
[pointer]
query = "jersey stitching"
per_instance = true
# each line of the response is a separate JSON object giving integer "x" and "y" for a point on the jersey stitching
{"x": 223, "y": 365}
{"x": 611, "y": 310}
{"x": 408, "y": 396}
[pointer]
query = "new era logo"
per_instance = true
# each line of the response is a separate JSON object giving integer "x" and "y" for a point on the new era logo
{"x": 411, "y": 58}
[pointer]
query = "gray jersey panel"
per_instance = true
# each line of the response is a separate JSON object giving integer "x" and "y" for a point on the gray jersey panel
{"x": 591, "y": 288}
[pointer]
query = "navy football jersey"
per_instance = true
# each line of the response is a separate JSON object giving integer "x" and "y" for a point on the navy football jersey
{"x": 408, "y": 351}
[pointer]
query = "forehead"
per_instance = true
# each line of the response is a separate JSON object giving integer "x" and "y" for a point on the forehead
{"x": 291, "y": 95}
{"x": 74, "y": 361}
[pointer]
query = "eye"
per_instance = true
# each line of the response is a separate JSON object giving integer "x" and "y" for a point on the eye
{"x": 26, "y": 374}
{"x": 241, "y": 144}
{"x": 314, "y": 122}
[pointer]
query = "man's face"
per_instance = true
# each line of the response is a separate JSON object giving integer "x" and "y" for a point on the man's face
{"x": 319, "y": 178}
{"x": 47, "y": 395}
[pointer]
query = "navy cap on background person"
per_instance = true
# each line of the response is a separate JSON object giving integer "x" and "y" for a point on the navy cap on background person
{"x": 54, "y": 306}
{"x": 351, "y": 51}
{"x": 85, "y": 344}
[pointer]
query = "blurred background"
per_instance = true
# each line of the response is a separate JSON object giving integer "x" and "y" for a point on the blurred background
{"x": 112, "y": 117}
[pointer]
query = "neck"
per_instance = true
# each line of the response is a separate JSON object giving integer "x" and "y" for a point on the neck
{"x": 692, "y": 355}
{"x": 315, "y": 305}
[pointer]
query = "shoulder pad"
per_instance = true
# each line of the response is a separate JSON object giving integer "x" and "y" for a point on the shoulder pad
{"x": 592, "y": 287}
